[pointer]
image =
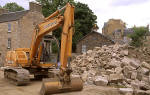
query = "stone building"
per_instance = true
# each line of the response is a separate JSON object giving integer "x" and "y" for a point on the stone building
{"x": 16, "y": 28}
{"x": 122, "y": 38}
{"x": 2, "y": 10}
{"x": 113, "y": 25}
{"x": 91, "y": 40}
{"x": 116, "y": 30}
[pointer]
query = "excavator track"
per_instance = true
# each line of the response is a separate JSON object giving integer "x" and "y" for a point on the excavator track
{"x": 17, "y": 76}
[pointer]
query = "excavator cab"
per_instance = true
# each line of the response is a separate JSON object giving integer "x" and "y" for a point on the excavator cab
{"x": 48, "y": 55}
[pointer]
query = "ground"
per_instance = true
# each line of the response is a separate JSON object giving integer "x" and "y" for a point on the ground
{"x": 6, "y": 88}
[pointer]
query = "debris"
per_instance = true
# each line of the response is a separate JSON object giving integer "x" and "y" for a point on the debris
{"x": 100, "y": 81}
{"x": 115, "y": 78}
{"x": 126, "y": 91}
{"x": 107, "y": 65}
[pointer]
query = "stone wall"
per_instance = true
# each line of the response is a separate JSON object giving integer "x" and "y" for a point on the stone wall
{"x": 27, "y": 25}
{"x": 5, "y": 35}
{"x": 21, "y": 32}
{"x": 2, "y": 10}
{"x": 113, "y": 25}
{"x": 92, "y": 40}
{"x": 35, "y": 7}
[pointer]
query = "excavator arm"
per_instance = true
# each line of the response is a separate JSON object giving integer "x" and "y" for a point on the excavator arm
{"x": 51, "y": 23}
{"x": 64, "y": 82}
{"x": 41, "y": 30}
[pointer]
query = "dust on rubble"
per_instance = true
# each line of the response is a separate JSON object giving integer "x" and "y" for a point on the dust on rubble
{"x": 107, "y": 70}
{"x": 120, "y": 66}
{"x": 33, "y": 88}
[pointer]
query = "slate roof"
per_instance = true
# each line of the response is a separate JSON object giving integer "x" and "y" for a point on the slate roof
{"x": 12, "y": 16}
{"x": 128, "y": 31}
{"x": 98, "y": 34}
{"x": 148, "y": 34}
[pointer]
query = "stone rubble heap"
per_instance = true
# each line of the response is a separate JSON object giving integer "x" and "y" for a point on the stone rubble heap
{"x": 112, "y": 66}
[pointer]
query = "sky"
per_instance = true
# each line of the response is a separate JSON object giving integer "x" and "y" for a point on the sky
{"x": 132, "y": 12}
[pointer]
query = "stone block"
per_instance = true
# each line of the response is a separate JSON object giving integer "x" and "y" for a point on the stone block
{"x": 115, "y": 78}
{"x": 109, "y": 71}
{"x": 135, "y": 84}
{"x": 139, "y": 76}
{"x": 145, "y": 71}
{"x": 141, "y": 92}
{"x": 126, "y": 91}
{"x": 124, "y": 53}
{"x": 145, "y": 79}
{"x": 127, "y": 71}
{"x": 146, "y": 65}
{"x": 135, "y": 63}
{"x": 118, "y": 70}
{"x": 100, "y": 81}
{"x": 144, "y": 86}
{"x": 134, "y": 75}
{"x": 84, "y": 76}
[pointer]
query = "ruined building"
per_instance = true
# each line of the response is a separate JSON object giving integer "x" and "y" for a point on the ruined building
{"x": 113, "y": 25}
{"x": 16, "y": 28}
{"x": 92, "y": 40}
{"x": 114, "y": 29}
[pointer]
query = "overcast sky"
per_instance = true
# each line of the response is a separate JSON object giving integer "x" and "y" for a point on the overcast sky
{"x": 132, "y": 12}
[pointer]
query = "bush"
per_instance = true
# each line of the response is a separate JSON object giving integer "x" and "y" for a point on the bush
{"x": 55, "y": 48}
{"x": 138, "y": 36}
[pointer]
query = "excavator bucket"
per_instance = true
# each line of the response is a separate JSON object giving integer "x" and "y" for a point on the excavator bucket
{"x": 54, "y": 85}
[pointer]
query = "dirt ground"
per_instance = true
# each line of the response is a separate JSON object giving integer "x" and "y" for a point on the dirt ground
{"x": 6, "y": 88}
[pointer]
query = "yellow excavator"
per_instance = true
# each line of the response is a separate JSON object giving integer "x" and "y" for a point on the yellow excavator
{"x": 25, "y": 61}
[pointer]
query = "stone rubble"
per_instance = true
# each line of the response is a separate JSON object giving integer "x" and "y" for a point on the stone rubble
{"x": 114, "y": 66}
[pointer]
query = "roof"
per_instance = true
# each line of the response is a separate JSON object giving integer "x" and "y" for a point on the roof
{"x": 12, "y": 16}
{"x": 148, "y": 33}
{"x": 98, "y": 34}
{"x": 128, "y": 31}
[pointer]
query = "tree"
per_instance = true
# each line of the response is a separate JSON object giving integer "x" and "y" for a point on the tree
{"x": 84, "y": 21}
{"x": 50, "y": 6}
{"x": 84, "y": 17}
{"x": 12, "y": 7}
{"x": 138, "y": 36}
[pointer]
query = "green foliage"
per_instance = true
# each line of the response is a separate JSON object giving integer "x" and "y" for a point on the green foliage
{"x": 138, "y": 36}
{"x": 50, "y": 6}
{"x": 84, "y": 17}
{"x": 54, "y": 47}
{"x": 84, "y": 21}
{"x": 12, "y": 7}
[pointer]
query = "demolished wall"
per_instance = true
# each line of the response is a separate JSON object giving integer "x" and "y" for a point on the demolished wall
{"x": 119, "y": 66}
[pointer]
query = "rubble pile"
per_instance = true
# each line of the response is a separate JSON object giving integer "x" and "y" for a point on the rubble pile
{"x": 112, "y": 66}
{"x": 143, "y": 53}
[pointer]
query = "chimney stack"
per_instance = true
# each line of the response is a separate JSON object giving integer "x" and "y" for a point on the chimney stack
{"x": 2, "y": 11}
{"x": 35, "y": 7}
{"x": 148, "y": 27}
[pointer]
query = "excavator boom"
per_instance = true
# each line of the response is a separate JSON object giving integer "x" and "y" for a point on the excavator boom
{"x": 41, "y": 30}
